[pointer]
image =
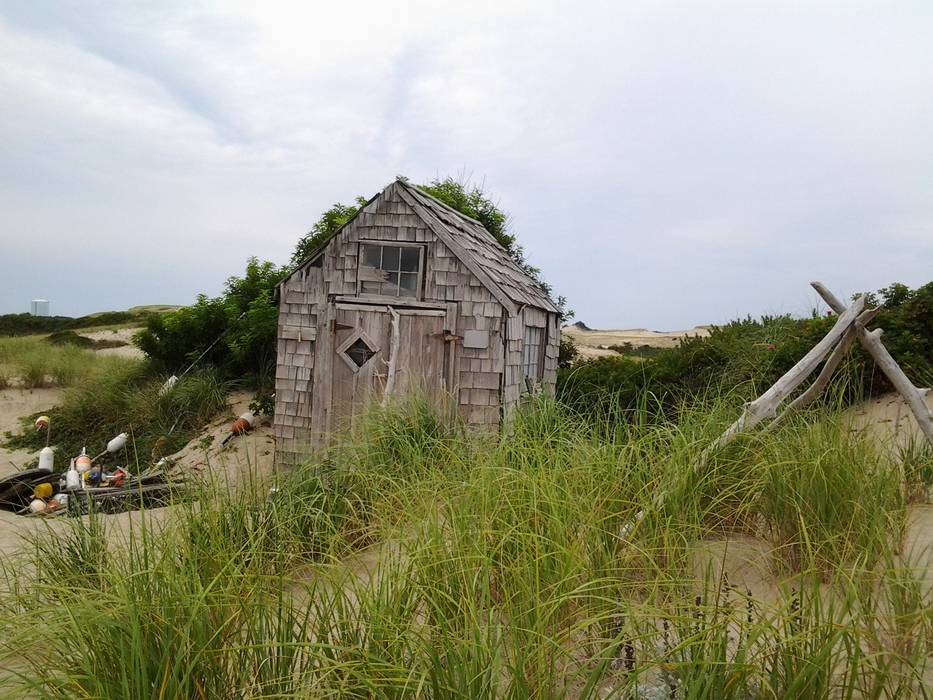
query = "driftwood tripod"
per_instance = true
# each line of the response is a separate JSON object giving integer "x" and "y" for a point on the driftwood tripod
{"x": 850, "y": 328}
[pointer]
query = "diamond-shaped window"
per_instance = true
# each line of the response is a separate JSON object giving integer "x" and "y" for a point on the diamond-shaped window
{"x": 359, "y": 352}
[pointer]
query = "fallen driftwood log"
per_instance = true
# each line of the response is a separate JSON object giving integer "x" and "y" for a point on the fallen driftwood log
{"x": 766, "y": 405}
{"x": 850, "y": 327}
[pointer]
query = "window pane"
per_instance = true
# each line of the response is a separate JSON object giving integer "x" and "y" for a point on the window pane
{"x": 410, "y": 259}
{"x": 533, "y": 349}
{"x": 390, "y": 286}
{"x": 390, "y": 256}
{"x": 370, "y": 254}
{"x": 371, "y": 288}
{"x": 408, "y": 284}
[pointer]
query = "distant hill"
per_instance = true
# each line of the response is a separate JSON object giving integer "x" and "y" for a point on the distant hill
{"x": 603, "y": 343}
{"x": 154, "y": 309}
{"x": 27, "y": 324}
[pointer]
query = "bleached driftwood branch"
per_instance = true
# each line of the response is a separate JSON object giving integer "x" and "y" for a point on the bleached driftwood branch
{"x": 871, "y": 341}
{"x": 849, "y": 327}
{"x": 765, "y": 406}
{"x": 393, "y": 358}
{"x": 822, "y": 379}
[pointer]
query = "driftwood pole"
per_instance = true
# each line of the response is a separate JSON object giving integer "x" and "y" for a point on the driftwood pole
{"x": 765, "y": 406}
{"x": 871, "y": 341}
{"x": 393, "y": 358}
{"x": 849, "y": 327}
{"x": 822, "y": 379}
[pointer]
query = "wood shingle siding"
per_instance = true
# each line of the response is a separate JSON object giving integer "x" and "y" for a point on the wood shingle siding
{"x": 468, "y": 286}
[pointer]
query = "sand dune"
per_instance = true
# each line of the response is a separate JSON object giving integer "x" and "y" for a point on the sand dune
{"x": 595, "y": 343}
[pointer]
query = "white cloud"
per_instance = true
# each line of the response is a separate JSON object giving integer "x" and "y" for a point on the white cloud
{"x": 649, "y": 153}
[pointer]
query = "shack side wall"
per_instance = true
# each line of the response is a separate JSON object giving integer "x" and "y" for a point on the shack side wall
{"x": 514, "y": 386}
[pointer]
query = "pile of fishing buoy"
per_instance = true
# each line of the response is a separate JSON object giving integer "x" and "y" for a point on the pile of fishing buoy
{"x": 83, "y": 473}
{"x": 44, "y": 501}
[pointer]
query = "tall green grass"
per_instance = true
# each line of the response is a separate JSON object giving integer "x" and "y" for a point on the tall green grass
{"x": 34, "y": 363}
{"x": 417, "y": 561}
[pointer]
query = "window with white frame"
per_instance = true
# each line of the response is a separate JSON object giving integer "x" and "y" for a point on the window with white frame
{"x": 390, "y": 270}
{"x": 533, "y": 357}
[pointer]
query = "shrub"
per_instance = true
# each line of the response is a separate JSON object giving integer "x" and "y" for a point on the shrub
{"x": 746, "y": 356}
{"x": 65, "y": 338}
{"x": 235, "y": 332}
{"x": 27, "y": 324}
{"x": 126, "y": 398}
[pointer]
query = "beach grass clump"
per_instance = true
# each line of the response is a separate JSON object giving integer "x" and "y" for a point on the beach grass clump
{"x": 414, "y": 560}
{"x": 830, "y": 496}
{"x": 34, "y": 363}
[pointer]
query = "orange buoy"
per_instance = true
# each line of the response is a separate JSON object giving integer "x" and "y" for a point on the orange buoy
{"x": 241, "y": 425}
{"x": 83, "y": 462}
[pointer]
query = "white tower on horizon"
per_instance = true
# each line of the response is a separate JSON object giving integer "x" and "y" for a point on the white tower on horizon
{"x": 39, "y": 307}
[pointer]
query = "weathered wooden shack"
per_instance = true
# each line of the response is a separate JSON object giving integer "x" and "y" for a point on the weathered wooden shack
{"x": 409, "y": 295}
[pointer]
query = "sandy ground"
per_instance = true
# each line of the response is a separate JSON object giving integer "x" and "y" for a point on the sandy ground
{"x": 595, "y": 343}
{"x": 13, "y": 404}
{"x": 124, "y": 334}
{"x": 889, "y": 419}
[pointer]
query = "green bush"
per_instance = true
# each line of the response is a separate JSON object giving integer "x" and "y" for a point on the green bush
{"x": 746, "y": 356}
{"x": 235, "y": 332}
{"x": 27, "y": 324}
{"x": 80, "y": 341}
{"x": 127, "y": 399}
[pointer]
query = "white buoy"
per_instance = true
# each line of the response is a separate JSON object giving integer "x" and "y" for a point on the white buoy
{"x": 47, "y": 459}
{"x": 249, "y": 418}
{"x": 169, "y": 385}
{"x": 37, "y": 505}
{"x": 118, "y": 443}
{"x": 72, "y": 477}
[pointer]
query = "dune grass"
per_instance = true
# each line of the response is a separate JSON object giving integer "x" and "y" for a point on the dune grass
{"x": 31, "y": 362}
{"x": 416, "y": 560}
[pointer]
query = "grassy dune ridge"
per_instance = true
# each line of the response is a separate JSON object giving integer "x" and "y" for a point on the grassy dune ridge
{"x": 33, "y": 362}
{"x": 416, "y": 561}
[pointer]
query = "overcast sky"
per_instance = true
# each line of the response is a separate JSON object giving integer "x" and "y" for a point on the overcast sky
{"x": 665, "y": 164}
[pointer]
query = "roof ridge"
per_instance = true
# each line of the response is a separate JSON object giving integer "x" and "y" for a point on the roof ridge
{"x": 446, "y": 206}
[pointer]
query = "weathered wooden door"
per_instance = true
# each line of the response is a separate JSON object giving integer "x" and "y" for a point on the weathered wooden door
{"x": 380, "y": 348}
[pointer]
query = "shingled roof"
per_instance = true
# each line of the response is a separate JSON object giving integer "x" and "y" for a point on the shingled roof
{"x": 472, "y": 243}
{"x": 478, "y": 249}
